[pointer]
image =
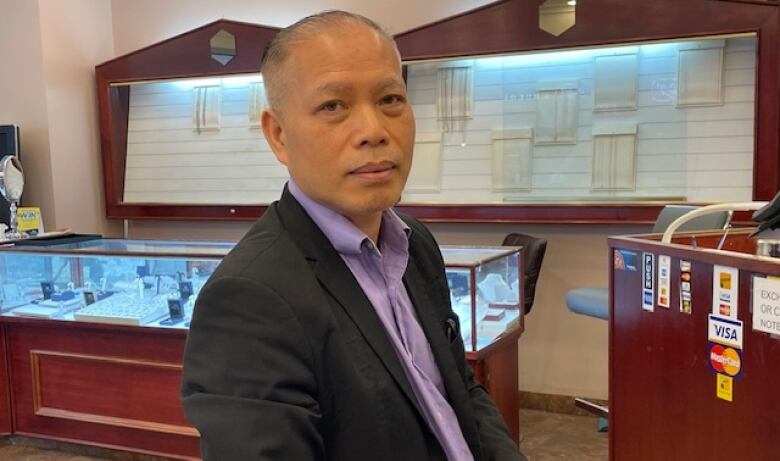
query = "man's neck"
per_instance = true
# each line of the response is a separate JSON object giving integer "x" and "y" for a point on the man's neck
{"x": 369, "y": 224}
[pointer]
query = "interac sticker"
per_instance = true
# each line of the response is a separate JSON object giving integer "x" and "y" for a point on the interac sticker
{"x": 766, "y": 305}
{"x": 725, "y": 387}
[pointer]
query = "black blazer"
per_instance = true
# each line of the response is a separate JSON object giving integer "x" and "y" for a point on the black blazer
{"x": 287, "y": 360}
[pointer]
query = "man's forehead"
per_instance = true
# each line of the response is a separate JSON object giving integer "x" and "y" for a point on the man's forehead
{"x": 342, "y": 86}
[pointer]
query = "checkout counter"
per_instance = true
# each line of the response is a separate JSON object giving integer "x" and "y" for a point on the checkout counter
{"x": 694, "y": 339}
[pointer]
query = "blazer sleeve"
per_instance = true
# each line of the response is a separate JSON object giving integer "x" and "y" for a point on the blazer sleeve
{"x": 247, "y": 384}
{"x": 495, "y": 441}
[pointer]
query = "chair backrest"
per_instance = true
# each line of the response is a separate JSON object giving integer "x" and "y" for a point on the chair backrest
{"x": 534, "y": 249}
{"x": 671, "y": 212}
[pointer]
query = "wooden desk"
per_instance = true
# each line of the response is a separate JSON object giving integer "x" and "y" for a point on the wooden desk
{"x": 662, "y": 391}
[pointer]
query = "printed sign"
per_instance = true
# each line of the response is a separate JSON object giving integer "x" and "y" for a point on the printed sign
{"x": 725, "y": 331}
{"x": 664, "y": 280}
{"x": 766, "y": 305}
{"x": 685, "y": 287}
{"x": 725, "y": 288}
{"x": 625, "y": 260}
{"x": 648, "y": 270}
{"x": 724, "y": 359}
{"x": 725, "y": 387}
{"x": 29, "y": 219}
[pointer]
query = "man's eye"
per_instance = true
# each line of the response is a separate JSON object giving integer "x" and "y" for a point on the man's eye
{"x": 331, "y": 106}
{"x": 392, "y": 99}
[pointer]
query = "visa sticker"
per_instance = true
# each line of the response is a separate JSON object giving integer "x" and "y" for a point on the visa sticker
{"x": 724, "y": 331}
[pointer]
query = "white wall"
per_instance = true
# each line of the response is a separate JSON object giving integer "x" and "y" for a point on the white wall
{"x": 49, "y": 50}
{"x": 138, "y": 23}
{"x": 24, "y": 98}
{"x": 75, "y": 36}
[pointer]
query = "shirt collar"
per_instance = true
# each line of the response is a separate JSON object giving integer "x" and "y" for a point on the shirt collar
{"x": 345, "y": 237}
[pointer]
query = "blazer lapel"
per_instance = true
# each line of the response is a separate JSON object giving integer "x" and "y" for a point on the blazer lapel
{"x": 338, "y": 280}
{"x": 418, "y": 287}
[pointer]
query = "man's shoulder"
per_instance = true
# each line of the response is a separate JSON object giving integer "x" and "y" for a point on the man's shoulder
{"x": 265, "y": 247}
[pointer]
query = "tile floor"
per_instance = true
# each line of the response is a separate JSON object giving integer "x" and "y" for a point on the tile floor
{"x": 545, "y": 436}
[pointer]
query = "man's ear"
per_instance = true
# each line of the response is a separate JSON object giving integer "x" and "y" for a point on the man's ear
{"x": 273, "y": 130}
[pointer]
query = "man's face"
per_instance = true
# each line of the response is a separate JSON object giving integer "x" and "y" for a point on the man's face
{"x": 346, "y": 130}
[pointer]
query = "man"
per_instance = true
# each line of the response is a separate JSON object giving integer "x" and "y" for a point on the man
{"x": 327, "y": 332}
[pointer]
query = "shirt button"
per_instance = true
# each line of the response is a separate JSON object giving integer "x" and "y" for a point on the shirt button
{"x": 439, "y": 416}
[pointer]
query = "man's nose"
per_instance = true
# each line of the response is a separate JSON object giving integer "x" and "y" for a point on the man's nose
{"x": 371, "y": 128}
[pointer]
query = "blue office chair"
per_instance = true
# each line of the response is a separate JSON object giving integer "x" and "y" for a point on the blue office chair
{"x": 594, "y": 302}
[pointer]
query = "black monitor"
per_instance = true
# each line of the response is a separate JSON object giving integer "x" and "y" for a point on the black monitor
{"x": 9, "y": 145}
{"x": 9, "y": 140}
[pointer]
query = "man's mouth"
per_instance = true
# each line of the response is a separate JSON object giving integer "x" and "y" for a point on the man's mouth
{"x": 374, "y": 171}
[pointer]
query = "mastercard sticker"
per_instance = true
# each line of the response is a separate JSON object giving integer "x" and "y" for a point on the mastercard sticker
{"x": 725, "y": 360}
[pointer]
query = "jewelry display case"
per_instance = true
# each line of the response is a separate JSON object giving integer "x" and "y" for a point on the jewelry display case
{"x": 485, "y": 292}
{"x": 92, "y": 336}
{"x": 131, "y": 282}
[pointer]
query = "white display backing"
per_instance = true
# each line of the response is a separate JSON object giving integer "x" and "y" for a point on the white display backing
{"x": 512, "y": 150}
{"x": 425, "y": 175}
{"x": 615, "y": 82}
{"x": 169, "y": 162}
{"x": 700, "y": 153}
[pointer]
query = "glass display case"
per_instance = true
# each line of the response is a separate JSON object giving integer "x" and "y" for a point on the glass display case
{"x": 485, "y": 291}
{"x": 155, "y": 283}
{"x": 129, "y": 282}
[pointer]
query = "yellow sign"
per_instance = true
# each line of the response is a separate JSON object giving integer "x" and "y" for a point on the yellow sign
{"x": 725, "y": 387}
{"x": 29, "y": 218}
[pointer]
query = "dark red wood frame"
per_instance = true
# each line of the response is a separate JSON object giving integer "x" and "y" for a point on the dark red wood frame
{"x": 507, "y": 26}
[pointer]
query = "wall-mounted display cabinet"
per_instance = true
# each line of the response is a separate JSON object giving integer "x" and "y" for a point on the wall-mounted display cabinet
{"x": 539, "y": 112}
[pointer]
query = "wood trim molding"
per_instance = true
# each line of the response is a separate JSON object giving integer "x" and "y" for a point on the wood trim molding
{"x": 41, "y": 410}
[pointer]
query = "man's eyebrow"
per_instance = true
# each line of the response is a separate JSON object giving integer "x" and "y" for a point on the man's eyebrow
{"x": 333, "y": 87}
{"x": 387, "y": 84}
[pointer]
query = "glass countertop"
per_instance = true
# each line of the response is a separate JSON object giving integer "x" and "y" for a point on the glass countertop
{"x": 160, "y": 248}
{"x": 472, "y": 256}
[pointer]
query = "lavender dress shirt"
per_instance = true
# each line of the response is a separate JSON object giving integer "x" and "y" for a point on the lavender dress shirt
{"x": 379, "y": 272}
